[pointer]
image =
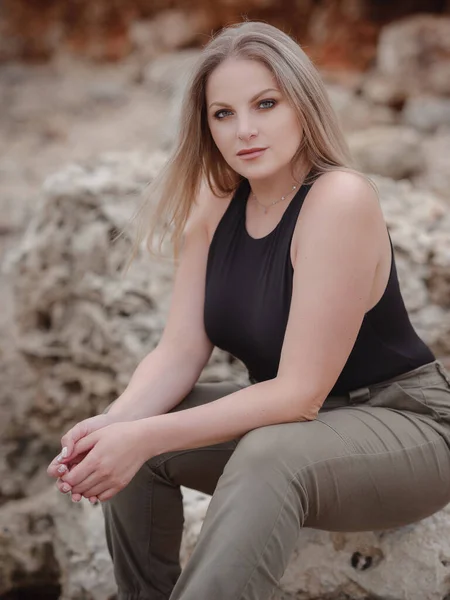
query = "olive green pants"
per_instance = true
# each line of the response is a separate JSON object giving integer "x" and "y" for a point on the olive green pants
{"x": 374, "y": 459}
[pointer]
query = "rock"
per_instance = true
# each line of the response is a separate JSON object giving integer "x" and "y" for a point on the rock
{"x": 81, "y": 326}
{"x": 21, "y": 451}
{"x": 195, "y": 505}
{"x": 436, "y": 167}
{"x": 108, "y": 93}
{"x": 338, "y": 35}
{"x": 427, "y": 113}
{"x": 83, "y": 292}
{"x": 169, "y": 30}
{"x": 408, "y": 563}
{"x": 384, "y": 90}
{"x": 416, "y": 52}
{"x": 419, "y": 223}
{"x": 48, "y": 542}
{"x": 169, "y": 73}
{"x": 179, "y": 28}
{"x": 389, "y": 151}
{"x": 357, "y": 113}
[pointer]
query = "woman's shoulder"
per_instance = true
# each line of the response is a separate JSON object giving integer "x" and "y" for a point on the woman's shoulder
{"x": 342, "y": 191}
{"x": 345, "y": 199}
{"x": 345, "y": 181}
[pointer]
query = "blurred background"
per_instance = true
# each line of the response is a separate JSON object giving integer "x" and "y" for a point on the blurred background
{"x": 89, "y": 97}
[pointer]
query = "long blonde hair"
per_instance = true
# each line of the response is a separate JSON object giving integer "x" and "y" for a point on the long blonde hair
{"x": 196, "y": 158}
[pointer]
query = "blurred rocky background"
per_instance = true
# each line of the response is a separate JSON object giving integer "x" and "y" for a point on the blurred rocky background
{"x": 89, "y": 97}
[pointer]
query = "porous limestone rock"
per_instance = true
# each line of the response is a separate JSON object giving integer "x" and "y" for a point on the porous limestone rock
{"x": 416, "y": 51}
{"x": 82, "y": 326}
{"x": 356, "y": 112}
{"x": 408, "y": 563}
{"x": 427, "y": 113}
{"x": 419, "y": 223}
{"x": 391, "y": 151}
{"x": 436, "y": 174}
{"x": 50, "y": 543}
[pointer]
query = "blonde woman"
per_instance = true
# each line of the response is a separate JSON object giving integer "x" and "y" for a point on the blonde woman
{"x": 286, "y": 263}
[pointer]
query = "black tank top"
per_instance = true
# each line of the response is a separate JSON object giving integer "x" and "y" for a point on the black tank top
{"x": 248, "y": 295}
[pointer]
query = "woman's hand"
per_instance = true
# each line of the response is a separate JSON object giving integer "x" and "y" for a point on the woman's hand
{"x": 67, "y": 459}
{"x": 112, "y": 456}
{"x": 65, "y": 488}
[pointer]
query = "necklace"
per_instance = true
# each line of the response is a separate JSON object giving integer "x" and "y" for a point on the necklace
{"x": 266, "y": 208}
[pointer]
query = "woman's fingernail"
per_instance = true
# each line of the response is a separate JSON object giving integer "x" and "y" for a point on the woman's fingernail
{"x": 62, "y": 469}
{"x": 75, "y": 499}
{"x": 94, "y": 502}
{"x": 63, "y": 454}
{"x": 66, "y": 487}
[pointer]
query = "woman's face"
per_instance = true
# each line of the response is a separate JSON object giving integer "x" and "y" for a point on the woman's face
{"x": 246, "y": 110}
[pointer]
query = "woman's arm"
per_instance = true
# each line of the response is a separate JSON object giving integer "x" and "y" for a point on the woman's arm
{"x": 168, "y": 373}
{"x": 161, "y": 380}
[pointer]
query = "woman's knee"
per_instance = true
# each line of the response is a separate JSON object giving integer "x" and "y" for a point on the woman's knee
{"x": 259, "y": 450}
{"x": 287, "y": 447}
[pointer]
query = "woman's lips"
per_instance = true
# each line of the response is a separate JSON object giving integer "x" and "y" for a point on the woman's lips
{"x": 249, "y": 155}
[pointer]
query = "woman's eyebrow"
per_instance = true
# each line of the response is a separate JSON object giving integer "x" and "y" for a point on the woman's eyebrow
{"x": 251, "y": 99}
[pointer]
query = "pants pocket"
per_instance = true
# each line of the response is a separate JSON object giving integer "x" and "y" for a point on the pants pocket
{"x": 438, "y": 398}
{"x": 400, "y": 397}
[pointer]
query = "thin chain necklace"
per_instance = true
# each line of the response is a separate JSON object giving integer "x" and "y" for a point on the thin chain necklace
{"x": 266, "y": 208}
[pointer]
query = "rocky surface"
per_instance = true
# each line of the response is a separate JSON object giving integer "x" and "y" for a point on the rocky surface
{"x": 339, "y": 34}
{"x": 49, "y": 544}
{"x": 392, "y": 151}
{"x": 416, "y": 51}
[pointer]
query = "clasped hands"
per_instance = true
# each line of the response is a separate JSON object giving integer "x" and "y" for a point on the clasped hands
{"x": 100, "y": 456}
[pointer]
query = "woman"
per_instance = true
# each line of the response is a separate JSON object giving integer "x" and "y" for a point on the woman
{"x": 287, "y": 264}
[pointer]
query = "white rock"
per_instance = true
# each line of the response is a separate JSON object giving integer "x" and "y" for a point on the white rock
{"x": 427, "y": 113}
{"x": 436, "y": 169}
{"x": 49, "y": 540}
{"x": 415, "y": 51}
{"x": 408, "y": 563}
{"x": 357, "y": 113}
{"x": 389, "y": 151}
{"x": 382, "y": 89}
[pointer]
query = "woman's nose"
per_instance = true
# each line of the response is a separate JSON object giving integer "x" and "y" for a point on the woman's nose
{"x": 246, "y": 129}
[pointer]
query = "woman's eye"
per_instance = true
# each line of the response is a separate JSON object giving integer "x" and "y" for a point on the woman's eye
{"x": 220, "y": 114}
{"x": 266, "y": 102}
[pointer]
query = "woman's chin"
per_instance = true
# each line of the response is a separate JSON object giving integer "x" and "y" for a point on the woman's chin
{"x": 255, "y": 171}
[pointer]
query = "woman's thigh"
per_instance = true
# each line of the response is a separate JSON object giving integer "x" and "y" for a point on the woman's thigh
{"x": 353, "y": 468}
{"x": 397, "y": 470}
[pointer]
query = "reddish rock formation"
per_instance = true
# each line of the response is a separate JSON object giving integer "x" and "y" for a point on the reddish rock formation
{"x": 337, "y": 33}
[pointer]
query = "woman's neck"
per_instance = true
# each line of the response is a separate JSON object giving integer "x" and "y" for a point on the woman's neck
{"x": 273, "y": 188}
